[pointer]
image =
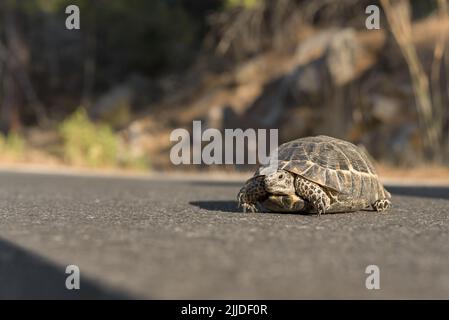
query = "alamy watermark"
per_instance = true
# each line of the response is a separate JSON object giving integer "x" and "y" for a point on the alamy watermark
{"x": 73, "y": 20}
{"x": 373, "y": 20}
{"x": 230, "y": 149}
{"x": 72, "y": 282}
{"x": 372, "y": 282}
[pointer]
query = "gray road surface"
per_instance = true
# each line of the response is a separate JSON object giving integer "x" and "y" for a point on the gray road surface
{"x": 159, "y": 238}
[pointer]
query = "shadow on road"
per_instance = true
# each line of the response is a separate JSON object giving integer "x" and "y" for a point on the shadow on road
{"x": 435, "y": 192}
{"x": 420, "y": 191}
{"x": 24, "y": 275}
{"x": 225, "y": 206}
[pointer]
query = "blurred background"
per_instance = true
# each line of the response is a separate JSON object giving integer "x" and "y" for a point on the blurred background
{"x": 109, "y": 95}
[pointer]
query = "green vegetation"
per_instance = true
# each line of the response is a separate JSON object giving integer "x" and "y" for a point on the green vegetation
{"x": 94, "y": 145}
{"x": 248, "y": 4}
{"x": 12, "y": 146}
{"x": 129, "y": 161}
{"x": 85, "y": 143}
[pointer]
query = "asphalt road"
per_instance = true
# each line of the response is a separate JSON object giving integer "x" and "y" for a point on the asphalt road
{"x": 163, "y": 238}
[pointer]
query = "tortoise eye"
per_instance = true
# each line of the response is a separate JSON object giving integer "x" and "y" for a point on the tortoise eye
{"x": 281, "y": 176}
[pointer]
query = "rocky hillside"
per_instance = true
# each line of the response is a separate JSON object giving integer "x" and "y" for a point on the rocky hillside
{"x": 350, "y": 83}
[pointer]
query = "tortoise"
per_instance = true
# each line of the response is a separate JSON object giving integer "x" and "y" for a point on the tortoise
{"x": 316, "y": 175}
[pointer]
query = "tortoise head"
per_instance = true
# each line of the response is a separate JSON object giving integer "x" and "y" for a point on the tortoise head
{"x": 280, "y": 182}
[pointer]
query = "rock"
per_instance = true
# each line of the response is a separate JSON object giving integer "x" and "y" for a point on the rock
{"x": 325, "y": 64}
{"x": 341, "y": 57}
{"x": 385, "y": 109}
{"x": 222, "y": 117}
{"x": 266, "y": 109}
{"x": 307, "y": 83}
{"x": 249, "y": 71}
{"x": 341, "y": 50}
{"x": 313, "y": 47}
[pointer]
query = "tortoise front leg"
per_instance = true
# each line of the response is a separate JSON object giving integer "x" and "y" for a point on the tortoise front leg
{"x": 251, "y": 193}
{"x": 313, "y": 193}
{"x": 381, "y": 205}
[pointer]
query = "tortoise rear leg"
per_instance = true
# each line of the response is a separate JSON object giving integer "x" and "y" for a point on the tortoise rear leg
{"x": 313, "y": 193}
{"x": 252, "y": 193}
{"x": 381, "y": 205}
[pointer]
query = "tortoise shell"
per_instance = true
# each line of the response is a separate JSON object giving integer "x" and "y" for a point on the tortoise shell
{"x": 332, "y": 163}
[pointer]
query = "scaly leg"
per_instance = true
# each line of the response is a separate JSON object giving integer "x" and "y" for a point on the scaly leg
{"x": 313, "y": 193}
{"x": 252, "y": 193}
{"x": 381, "y": 205}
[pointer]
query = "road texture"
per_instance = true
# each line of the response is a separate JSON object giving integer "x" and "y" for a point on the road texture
{"x": 164, "y": 238}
